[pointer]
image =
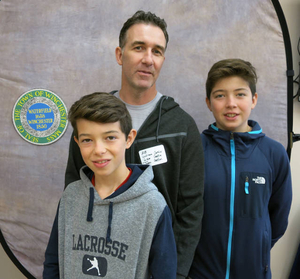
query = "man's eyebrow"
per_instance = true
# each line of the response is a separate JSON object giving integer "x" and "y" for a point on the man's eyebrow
{"x": 143, "y": 43}
{"x": 138, "y": 43}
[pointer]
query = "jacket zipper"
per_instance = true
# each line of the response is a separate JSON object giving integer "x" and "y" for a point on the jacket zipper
{"x": 232, "y": 197}
{"x": 247, "y": 186}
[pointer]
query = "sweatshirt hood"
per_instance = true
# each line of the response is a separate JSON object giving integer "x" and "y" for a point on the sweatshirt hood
{"x": 164, "y": 105}
{"x": 243, "y": 141}
{"x": 140, "y": 178}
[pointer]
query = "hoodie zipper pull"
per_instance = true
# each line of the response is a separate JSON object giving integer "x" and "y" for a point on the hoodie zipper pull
{"x": 247, "y": 186}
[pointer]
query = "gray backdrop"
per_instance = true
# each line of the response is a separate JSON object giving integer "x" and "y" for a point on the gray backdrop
{"x": 68, "y": 47}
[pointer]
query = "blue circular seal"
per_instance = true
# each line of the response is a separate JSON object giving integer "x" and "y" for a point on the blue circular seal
{"x": 40, "y": 117}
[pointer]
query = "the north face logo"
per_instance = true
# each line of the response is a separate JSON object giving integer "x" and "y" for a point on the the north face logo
{"x": 94, "y": 266}
{"x": 259, "y": 180}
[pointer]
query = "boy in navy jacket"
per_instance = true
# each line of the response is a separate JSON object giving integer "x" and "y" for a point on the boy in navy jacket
{"x": 248, "y": 189}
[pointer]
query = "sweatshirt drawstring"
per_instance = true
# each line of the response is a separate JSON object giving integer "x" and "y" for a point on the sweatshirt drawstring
{"x": 159, "y": 117}
{"x": 90, "y": 214}
{"x": 91, "y": 204}
{"x": 110, "y": 213}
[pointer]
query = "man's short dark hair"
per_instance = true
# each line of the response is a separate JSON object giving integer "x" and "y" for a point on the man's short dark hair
{"x": 100, "y": 107}
{"x": 146, "y": 18}
{"x": 228, "y": 68}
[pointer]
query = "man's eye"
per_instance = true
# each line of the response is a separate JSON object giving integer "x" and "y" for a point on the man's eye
{"x": 241, "y": 94}
{"x": 86, "y": 140}
{"x": 110, "y": 138}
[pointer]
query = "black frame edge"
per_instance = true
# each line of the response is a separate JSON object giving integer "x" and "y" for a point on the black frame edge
{"x": 13, "y": 258}
{"x": 289, "y": 71}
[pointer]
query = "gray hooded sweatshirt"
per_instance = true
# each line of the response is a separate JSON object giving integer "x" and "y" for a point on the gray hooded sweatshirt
{"x": 124, "y": 237}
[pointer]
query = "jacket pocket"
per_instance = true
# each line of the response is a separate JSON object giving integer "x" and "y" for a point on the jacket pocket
{"x": 253, "y": 189}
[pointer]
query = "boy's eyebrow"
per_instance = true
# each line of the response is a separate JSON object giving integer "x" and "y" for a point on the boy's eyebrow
{"x": 223, "y": 90}
{"x": 105, "y": 133}
{"x": 143, "y": 43}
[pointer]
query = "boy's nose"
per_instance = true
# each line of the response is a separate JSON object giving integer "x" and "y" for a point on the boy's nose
{"x": 100, "y": 149}
{"x": 230, "y": 101}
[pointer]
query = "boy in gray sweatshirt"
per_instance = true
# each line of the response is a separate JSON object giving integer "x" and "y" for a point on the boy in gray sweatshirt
{"x": 113, "y": 222}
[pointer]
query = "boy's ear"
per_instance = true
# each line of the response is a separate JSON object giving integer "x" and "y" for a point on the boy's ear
{"x": 118, "y": 53}
{"x": 208, "y": 103}
{"x": 130, "y": 138}
{"x": 254, "y": 100}
{"x": 76, "y": 140}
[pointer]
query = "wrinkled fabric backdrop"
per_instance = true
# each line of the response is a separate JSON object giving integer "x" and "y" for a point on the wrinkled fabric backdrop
{"x": 68, "y": 47}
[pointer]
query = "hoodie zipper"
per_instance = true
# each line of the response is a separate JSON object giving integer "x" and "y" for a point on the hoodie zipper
{"x": 232, "y": 197}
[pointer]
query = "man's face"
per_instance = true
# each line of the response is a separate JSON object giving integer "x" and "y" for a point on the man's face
{"x": 231, "y": 102}
{"x": 142, "y": 56}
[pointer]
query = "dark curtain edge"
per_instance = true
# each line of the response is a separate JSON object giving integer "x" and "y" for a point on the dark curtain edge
{"x": 289, "y": 73}
{"x": 13, "y": 258}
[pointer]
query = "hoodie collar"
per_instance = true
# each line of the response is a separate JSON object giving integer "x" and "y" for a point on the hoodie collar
{"x": 143, "y": 185}
{"x": 244, "y": 142}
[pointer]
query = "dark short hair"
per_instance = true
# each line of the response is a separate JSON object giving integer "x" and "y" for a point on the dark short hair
{"x": 146, "y": 18}
{"x": 231, "y": 67}
{"x": 100, "y": 107}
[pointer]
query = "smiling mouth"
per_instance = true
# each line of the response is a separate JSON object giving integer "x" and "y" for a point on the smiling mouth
{"x": 231, "y": 114}
{"x": 101, "y": 161}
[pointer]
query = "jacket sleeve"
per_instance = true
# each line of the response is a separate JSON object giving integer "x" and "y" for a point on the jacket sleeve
{"x": 51, "y": 266}
{"x": 187, "y": 226}
{"x": 75, "y": 162}
{"x": 163, "y": 257}
{"x": 281, "y": 198}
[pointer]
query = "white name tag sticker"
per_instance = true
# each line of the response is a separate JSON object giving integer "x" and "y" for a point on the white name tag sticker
{"x": 153, "y": 156}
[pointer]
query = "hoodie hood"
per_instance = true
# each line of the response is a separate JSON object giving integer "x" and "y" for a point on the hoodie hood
{"x": 141, "y": 178}
{"x": 164, "y": 105}
{"x": 243, "y": 141}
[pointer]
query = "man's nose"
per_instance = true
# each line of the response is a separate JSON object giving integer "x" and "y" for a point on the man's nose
{"x": 148, "y": 57}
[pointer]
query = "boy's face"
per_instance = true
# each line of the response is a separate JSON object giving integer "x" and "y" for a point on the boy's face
{"x": 231, "y": 102}
{"x": 142, "y": 56}
{"x": 102, "y": 146}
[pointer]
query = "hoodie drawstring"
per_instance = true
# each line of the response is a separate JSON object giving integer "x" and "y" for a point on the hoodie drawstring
{"x": 110, "y": 214}
{"x": 159, "y": 117}
{"x": 91, "y": 204}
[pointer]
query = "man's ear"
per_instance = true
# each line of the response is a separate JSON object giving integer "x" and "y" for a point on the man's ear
{"x": 119, "y": 56}
{"x": 208, "y": 103}
{"x": 130, "y": 138}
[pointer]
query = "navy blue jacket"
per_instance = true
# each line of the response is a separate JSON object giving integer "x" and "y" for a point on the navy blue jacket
{"x": 247, "y": 199}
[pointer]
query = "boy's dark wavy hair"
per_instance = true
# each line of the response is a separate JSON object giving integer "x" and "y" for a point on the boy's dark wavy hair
{"x": 231, "y": 67}
{"x": 100, "y": 107}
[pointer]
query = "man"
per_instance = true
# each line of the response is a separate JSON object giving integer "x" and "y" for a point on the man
{"x": 167, "y": 136}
